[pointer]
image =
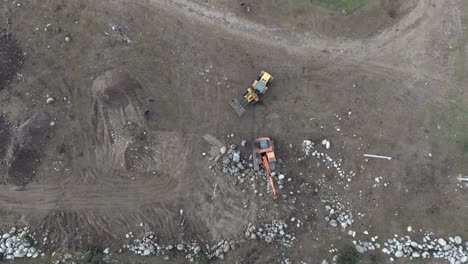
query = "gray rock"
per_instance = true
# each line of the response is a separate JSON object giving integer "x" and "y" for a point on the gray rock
{"x": 223, "y": 149}
{"x": 253, "y": 236}
{"x": 441, "y": 242}
{"x": 236, "y": 157}
{"x": 333, "y": 223}
{"x": 243, "y": 143}
{"x": 180, "y": 246}
{"x": 268, "y": 239}
{"x": 19, "y": 254}
{"x": 458, "y": 240}
{"x": 399, "y": 254}
{"x": 67, "y": 39}
{"x": 106, "y": 251}
{"x": 197, "y": 250}
{"x": 226, "y": 248}
{"x": 360, "y": 249}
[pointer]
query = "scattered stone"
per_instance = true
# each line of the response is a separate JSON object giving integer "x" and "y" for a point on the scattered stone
{"x": 442, "y": 242}
{"x": 67, "y": 39}
{"x": 326, "y": 143}
{"x": 307, "y": 146}
{"x": 106, "y": 251}
{"x": 360, "y": 249}
{"x": 223, "y": 149}
{"x": 50, "y": 100}
{"x": 243, "y": 143}
{"x": 276, "y": 232}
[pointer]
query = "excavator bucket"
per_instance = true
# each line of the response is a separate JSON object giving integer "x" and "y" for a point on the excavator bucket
{"x": 237, "y": 106}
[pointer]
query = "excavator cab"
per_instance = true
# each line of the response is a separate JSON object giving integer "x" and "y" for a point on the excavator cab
{"x": 263, "y": 147}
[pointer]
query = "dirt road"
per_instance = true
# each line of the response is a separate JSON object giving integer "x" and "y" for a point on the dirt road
{"x": 369, "y": 82}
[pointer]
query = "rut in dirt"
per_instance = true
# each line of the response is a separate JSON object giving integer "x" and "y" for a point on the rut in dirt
{"x": 11, "y": 57}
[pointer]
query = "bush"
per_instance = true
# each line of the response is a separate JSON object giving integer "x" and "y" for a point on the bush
{"x": 348, "y": 255}
{"x": 93, "y": 256}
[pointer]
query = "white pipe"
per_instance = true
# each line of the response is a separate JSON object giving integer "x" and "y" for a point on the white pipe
{"x": 377, "y": 156}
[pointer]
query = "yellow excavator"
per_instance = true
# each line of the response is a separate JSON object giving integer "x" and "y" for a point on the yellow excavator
{"x": 259, "y": 86}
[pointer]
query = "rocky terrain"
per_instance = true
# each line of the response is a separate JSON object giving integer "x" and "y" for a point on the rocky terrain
{"x": 118, "y": 144}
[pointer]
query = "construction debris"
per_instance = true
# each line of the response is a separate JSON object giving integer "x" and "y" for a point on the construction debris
{"x": 377, "y": 156}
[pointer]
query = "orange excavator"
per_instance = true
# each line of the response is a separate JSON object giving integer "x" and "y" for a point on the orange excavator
{"x": 263, "y": 150}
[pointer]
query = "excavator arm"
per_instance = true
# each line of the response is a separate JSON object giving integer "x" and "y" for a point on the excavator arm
{"x": 266, "y": 164}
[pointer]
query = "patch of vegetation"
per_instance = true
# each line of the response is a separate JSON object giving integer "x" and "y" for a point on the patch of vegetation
{"x": 433, "y": 210}
{"x": 392, "y": 13}
{"x": 61, "y": 148}
{"x": 347, "y": 6}
{"x": 348, "y": 255}
{"x": 94, "y": 256}
{"x": 56, "y": 29}
{"x": 450, "y": 131}
{"x": 374, "y": 259}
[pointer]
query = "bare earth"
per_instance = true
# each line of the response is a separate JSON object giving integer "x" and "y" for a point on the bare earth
{"x": 368, "y": 82}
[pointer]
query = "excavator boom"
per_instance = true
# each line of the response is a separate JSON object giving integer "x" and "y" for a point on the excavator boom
{"x": 266, "y": 164}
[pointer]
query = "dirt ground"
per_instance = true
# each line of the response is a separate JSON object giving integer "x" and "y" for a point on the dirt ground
{"x": 389, "y": 78}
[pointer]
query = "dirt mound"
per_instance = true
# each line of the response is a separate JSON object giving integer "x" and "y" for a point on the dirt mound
{"x": 22, "y": 146}
{"x": 11, "y": 57}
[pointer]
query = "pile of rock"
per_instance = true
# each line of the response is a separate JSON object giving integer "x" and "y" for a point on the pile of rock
{"x": 232, "y": 162}
{"x": 190, "y": 249}
{"x": 149, "y": 245}
{"x": 362, "y": 247}
{"x": 220, "y": 249}
{"x": 146, "y": 246}
{"x": 453, "y": 250}
{"x": 307, "y": 146}
{"x": 18, "y": 243}
{"x": 276, "y": 232}
{"x": 338, "y": 216}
